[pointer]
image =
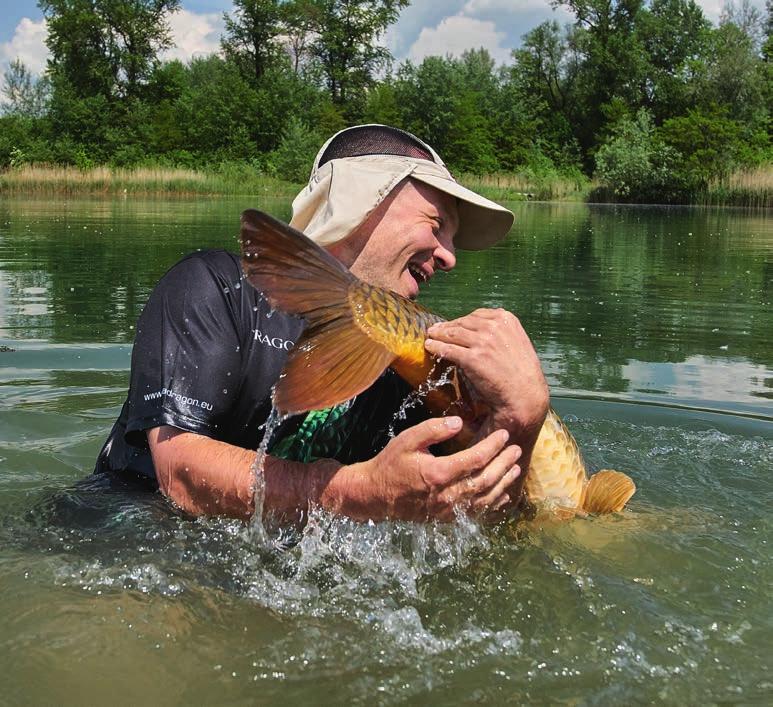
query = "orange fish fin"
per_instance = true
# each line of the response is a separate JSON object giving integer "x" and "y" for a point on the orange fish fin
{"x": 294, "y": 273}
{"x": 329, "y": 365}
{"x": 335, "y": 359}
{"x": 607, "y": 492}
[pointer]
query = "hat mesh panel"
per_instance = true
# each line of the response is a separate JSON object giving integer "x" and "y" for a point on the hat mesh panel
{"x": 374, "y": 140}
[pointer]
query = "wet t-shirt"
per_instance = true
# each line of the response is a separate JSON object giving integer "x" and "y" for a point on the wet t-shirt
{"x": 208, "y": 350}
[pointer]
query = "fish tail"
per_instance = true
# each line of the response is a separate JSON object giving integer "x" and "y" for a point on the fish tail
{"x": 335, "y": 359}
{"x": 607, "y": 492}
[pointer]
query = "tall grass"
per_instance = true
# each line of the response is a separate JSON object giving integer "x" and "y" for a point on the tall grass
{"x": 224, "y": 179}
{"x": 753, "y": 188}
{"x": 527, "y": 185}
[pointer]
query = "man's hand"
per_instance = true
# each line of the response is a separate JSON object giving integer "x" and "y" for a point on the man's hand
{"x": 498, "y": 358}
{"x": 496, "y": 354}
{"x": 406, "y": 481}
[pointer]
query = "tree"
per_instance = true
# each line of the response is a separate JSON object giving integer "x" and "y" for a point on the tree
{"x": 539, "y": 101}
{"x": 730, "y": 75}
{"x": 674, "y": 35}
{"x": 439, "y": 105}
{"x": 250, "y": 39}
{"x": 708, "y": 143}
{"x": 26, "y": 95}
{"x": 300, "y": 22}
{"x": 346, "y": 45}
{"x": 635, "y": 164}
{"x": 747, "y": 18}
{"x": 612, "y": 62}
{"x": 106, "y": 48}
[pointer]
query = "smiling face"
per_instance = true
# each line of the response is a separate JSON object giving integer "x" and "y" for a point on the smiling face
{"x": 405, "y": 240}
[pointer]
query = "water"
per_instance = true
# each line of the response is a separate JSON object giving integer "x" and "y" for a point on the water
{"x": 654, "y": 327}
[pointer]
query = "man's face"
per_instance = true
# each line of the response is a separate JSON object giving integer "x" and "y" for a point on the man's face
{"x": 405, "y": 240}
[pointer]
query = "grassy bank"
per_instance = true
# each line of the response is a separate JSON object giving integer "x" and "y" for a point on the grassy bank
{"x": 745, "y": 188}
{"x": 749, "y": 188}
{"x": 232, "y": 179}
{"x": 236, "y": 179}
{"x": 515, "y": 187}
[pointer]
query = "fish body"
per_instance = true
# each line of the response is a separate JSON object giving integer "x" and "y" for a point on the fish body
{"x": 356, "y": 330}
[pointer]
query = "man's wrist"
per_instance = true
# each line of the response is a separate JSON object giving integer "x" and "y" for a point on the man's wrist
{"x": 345, "y": 490}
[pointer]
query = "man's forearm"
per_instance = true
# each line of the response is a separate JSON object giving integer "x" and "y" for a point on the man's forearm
{"x": 206, "y": 477}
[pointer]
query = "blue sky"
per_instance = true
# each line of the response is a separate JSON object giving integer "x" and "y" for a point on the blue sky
{"x": 425, "y": 27}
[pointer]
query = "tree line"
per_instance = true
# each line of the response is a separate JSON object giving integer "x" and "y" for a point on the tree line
{"x": 646, "y": 95}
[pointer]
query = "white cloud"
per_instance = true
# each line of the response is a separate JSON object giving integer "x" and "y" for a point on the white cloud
{"x": 477, "y": 7}
{"x": 28, "y": 44}
{"x": 712, "y": 9}
{"x": 456, "y": 34}
{"x": 194, "y": 34}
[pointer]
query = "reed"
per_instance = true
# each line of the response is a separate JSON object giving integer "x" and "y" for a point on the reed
{"x": 50, "y": 179}
{"x": 750, "y": 187}
{"x": 515, "y": 186}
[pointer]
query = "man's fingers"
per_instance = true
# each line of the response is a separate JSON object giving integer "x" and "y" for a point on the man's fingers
{"x": 462, "y": 464}
{"x": 487, "y": 480}
{"x": 490, "y": 500}
{"x": 459, "y": 355}
{"x": 429, "y": 432}
{"x": 453, "y": 334}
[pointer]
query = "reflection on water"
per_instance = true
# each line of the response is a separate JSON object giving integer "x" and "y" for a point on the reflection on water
{"x": 662, "y": 313}
{"x": 625, "y": 300}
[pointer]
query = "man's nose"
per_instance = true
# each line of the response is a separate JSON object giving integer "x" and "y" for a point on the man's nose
{"x": 445, "y": 257}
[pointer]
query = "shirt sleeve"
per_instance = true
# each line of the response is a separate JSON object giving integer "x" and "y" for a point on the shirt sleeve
{"x": 187, "y": 355}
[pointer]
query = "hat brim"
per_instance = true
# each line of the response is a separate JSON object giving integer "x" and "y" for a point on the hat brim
{"x": 482, "y": 222}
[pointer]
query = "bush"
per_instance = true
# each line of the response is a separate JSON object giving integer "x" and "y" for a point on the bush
{"x": 293, "y": 158}
{"x": 635, "y": 165}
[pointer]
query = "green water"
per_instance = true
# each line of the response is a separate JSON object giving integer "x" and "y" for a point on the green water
{"x": 655, "y": 328}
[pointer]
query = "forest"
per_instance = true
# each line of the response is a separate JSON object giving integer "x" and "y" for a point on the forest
{"x": 639, "y": 100}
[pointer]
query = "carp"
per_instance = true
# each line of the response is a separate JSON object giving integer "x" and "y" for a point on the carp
{"x": 355, "y": 331}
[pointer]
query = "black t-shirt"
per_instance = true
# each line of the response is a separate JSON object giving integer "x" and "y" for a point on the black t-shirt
{"x": 208, "y": 350}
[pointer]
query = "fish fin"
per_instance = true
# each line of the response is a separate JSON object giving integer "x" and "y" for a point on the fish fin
{"x": 293, "y": 273}
{"x": 607, "y": 492}
{"x": 335, "y": 359}
{"x": 329, "y": 365}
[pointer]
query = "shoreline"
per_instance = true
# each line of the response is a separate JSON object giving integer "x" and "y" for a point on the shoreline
{"x": 744, "y": 189}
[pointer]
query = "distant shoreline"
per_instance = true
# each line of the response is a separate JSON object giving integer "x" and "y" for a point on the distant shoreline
{"x": 746, "y": 189}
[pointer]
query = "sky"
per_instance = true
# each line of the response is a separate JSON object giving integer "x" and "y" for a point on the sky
{"x": 425, "y": 27}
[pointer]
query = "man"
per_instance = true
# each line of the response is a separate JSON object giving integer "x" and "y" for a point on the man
{"x": 208, "y": 351}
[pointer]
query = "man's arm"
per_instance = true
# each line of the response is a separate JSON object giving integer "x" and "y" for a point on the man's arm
{"x": 496, "y": 354}
{"x": 404, "y": 481}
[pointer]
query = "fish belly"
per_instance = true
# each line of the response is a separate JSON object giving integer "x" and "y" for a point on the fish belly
{"x": 557, "y": 471}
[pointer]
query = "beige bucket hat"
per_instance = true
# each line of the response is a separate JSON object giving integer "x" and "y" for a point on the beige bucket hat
{"x": 359, "y": 166}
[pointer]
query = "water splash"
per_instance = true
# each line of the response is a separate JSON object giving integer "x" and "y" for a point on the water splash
{"x": 436, "y": 378}
{"x": 257, "y": 472}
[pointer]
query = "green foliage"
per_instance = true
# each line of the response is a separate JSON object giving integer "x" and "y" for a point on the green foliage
{"x": 295, "y": 154}
{"x": 709, "y": 145}
{"x": 106, "y": 47}
{"x": 250, "y": 36}
{"x": 662, "y": 104}
{"x": 26, "y": 95}
{"x": 442, "y": 100}
{"x": 346, "y": 45}
{"x": 635, "y": 165}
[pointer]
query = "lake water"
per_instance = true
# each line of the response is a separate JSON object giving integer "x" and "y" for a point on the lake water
{"x": 655, "y": 328}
